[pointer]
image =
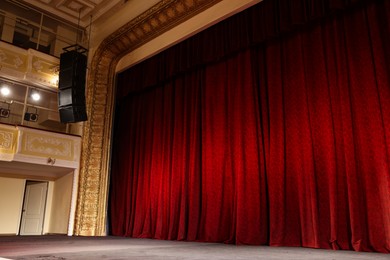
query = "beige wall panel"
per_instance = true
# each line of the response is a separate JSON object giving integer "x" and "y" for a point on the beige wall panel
{"x": 48, "y": 210}
{"x": 11, "y": 199}
{"x": 60, "y": 205}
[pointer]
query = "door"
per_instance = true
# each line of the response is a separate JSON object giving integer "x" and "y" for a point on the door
{"x": 33, "y": 208}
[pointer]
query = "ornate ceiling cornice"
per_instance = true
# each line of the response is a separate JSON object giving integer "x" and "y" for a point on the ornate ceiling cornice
{"x": 93, "y": 182}
{"x": 160, "y": 18}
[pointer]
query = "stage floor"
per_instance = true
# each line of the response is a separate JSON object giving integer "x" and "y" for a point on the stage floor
{"x": 63, "y": 247}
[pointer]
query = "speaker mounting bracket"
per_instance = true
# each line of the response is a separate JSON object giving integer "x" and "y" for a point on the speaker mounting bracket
{"x": 75, "y": 47}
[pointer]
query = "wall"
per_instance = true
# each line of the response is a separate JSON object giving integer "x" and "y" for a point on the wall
{"x": 11, "y": 199}
{"x": 57, "y": 205}
{"x": 68, "y": 37}
{"x": 60, "y": 205}
{"x": 8, "y": 28}
{"x": 49, "y": 203}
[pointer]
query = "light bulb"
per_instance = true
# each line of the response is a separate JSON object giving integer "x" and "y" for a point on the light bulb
{"x": 35, "y": 96}
{"x": 5, "y": 91}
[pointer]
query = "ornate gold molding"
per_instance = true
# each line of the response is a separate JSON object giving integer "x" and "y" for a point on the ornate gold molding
{"x": 93, "y": 186}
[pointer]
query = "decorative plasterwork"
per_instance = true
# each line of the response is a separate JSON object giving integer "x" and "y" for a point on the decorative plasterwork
{"x": 30, "y": 66}
{"x": 8, "y": 137}
{"x": 47, "y": 146}
{"x": 13, "y": 60}
{"x": 18, "y": 143}
{"x": 158, "y": 19}
{"x": 42, "y": 69}
{"x": 93, "y": 189}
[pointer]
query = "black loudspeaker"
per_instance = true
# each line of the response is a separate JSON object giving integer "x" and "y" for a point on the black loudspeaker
{"x": 73, "y": 68}
{"x": 71, "y": 96}
{"x": 71, "y": 85}
{"x": 72, "y": 114}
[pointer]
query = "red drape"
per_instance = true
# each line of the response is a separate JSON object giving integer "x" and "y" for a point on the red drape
{"x": 285, "y": 144}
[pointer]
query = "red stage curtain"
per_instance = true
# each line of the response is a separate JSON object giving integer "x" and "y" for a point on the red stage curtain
{"x": 270, "y": 19}
{"x": 157, "y": 162}
{"x": 285, "y": 144}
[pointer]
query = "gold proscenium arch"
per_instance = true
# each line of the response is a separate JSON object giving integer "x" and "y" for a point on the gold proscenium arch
{"x": 93, "y": 182}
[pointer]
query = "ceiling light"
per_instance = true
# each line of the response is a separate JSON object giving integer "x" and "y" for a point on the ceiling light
{"x": 35, "y": 96}
{"x": 5, "y": 91}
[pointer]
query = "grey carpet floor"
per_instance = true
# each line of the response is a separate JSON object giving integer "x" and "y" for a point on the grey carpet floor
{"x": 63, "y": 247}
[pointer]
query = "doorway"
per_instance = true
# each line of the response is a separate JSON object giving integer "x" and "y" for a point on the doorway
{"x": 33, "y": 211}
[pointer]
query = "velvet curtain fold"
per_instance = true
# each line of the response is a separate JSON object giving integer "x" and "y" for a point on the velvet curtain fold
{"x": 268, "y": 20}
{"x": 286, "y": 143}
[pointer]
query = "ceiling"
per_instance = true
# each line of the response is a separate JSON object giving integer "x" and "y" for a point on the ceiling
{"x": 32, "y": 171}
{"x": 80, "y": 12}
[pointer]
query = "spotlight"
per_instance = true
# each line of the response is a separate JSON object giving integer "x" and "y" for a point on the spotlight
{"x": 4, "y": 112}
{"x": 32, "y": 117}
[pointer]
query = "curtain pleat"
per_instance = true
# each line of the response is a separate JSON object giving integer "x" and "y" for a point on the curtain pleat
{"x": 284, "y": 143}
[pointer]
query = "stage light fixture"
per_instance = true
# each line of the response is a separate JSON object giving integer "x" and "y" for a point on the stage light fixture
{"x": 4, "y": 112}
{"x": 31, "y": 117}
